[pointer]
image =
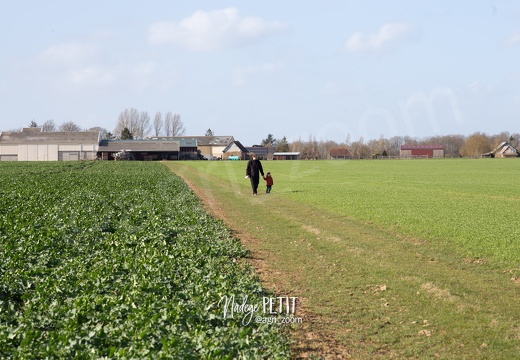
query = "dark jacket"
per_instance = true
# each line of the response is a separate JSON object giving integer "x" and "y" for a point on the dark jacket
{"x": 254, "y": 167}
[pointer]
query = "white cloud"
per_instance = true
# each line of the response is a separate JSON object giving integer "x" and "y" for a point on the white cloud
{"x": 136, "y": 76}
{"x": 68, "y": 54}
{"x": 513, "y": 39}
{"x": 242, "y": 74}
{"x": 205, "y": 31}
{"x": 91, "y": 76}
{"x": 387, "y": 36}
{"x": 79, "y": 65}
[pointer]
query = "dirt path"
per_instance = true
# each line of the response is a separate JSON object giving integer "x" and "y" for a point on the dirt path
{"x": 310, "y": 338}
{"x": 363, "y": 291}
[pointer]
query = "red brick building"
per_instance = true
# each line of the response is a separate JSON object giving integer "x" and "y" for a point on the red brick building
{"x": 340, "y": 153}
{"x": 422, "y": 151}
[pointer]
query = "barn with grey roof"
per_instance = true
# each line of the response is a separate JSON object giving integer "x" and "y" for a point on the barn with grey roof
{"x": 33, "y": 144}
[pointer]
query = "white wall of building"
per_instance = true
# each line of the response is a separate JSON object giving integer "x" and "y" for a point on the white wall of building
{"x": 48, "y": 152}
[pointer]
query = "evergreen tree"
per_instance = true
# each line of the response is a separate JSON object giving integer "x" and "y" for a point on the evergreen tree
{"x": 126, "y": 134}
{"x": 283, "y": 145}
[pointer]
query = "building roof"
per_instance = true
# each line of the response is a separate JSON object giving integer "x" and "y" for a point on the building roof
{"x": 340, "y": 152}
{"x": 201, "y": 140}
{"x": 261, "y": 150}
{"x": 38, "y": 136}
{"x": 508, "y": 150}
{"x": 422, "y": 147}
{"x": 138, "y": 145}
{"x": 505, "y": 149}
{"x": 237, "y": 144}
{"x": 286, "y": 153}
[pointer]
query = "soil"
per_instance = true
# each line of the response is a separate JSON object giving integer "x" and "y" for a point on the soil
{"x": 309, "y": 339}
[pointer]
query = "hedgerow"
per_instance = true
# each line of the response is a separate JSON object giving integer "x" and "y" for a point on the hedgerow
{"x": 119, "y": 260}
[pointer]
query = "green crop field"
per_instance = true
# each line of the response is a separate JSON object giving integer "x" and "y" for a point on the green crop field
{"x": 119, "y": 260}
{"x": 390, "y": 258}
{"x": 396, "y": 258}
{"x": 468, "y": 206}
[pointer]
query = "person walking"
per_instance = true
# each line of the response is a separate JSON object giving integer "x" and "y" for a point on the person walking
{"x": 253, "y": 171}
{"x": 268, "y": 182}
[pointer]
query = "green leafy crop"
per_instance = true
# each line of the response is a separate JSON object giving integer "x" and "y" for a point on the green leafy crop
{"x": 119, "y": 260}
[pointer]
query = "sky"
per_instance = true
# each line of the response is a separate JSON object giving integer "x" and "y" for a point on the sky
{"x": 330, "y": 70}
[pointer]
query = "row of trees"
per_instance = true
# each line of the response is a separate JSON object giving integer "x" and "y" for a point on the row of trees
{"x": 140, "y": 125}
{"x": 50, "y": 126}
{"x": 137, "y": 123}
{"x": 280, "y": 145}
{"x": 454, "y": 145}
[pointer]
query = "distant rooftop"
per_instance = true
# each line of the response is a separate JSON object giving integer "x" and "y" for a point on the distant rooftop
{"x": 138, "y": 145}
{"x": 201, "y": 140}
{"x": 423, "y": 147}
{"x": 38, "y": 136}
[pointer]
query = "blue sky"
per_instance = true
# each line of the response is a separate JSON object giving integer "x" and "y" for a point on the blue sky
{"x": 247, "y": 68}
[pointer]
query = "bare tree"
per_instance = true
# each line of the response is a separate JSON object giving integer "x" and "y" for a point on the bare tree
{"x": 310, "y": 149}
{"x": 348, "y": 141}
{"x": 177, "y": 126}
{"x": 408, "y": 140}
{"x": 102, "y": 131}
{"x": 168, "y": 123}
{"x": 143, "y": 125}
{"x": 360, "y": 150}
{"x": 373, "y": 148}
{"x": 452, "y": 143}
{"x": 157, "y": 123}
{"x": 129, "y": 118}
{"x": 394, "y": 147}
{"x": 496, "y": 140}
{"x": 173, "y": 125}
{"x": 324, "y": 148}
{"x": 69, "y": 126}
{"x": 297, "y": 145}
{"x": 382, "y": 144}
{"x": 476, "y": 145}
{"x": 49, "y": 126}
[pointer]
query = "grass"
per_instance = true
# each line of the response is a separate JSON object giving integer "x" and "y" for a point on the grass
{"x": 470, "y": 206}
{"x": 397, "y": 259}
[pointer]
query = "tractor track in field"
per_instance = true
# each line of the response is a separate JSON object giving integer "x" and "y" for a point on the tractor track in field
{"x": 361, "y": 287}
{"x": 310, "y": 339}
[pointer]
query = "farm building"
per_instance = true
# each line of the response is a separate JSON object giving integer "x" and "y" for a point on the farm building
{"x": 263, "y": 152}
{"x": 340, "y": 153}
{"x": 422, "y": 151}
{"x": 504, "y": 150}
{"x": 286, "y": 155}
{"x": 235, "y": 150}
{"x": 140, "y": 149}
{"x": 188, "y": 149}
{"x": 33, "y": 144}
{"x": 206, "y": 145}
